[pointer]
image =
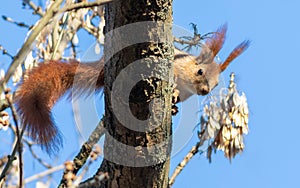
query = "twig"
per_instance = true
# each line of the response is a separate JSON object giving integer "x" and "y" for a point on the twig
{"x": 11, "y": 158}
{"x": 20, "y": 24}
{"x": 183, "y": 163}
{"x": 60, "y": 37}
{"x": 3, "y": 104}
{"x": 84, "y": 5}
{"x": 95, "y": 181}
{"x": 5, "y": 52}
{"x": 3, "y": 160}
{"x": 18, "y": 59}
{"x": 74, "y": 52}
{"x": 192, "y": 41}
{"x": 37, "y": 9}
{"x": 90, "y": 30}
{"x": 93, "y": 157}
{"x": 45, "y": 173}
{"x": 19, "y": 138}
{"x": 46, "y": 165}
{"x": 85, "y": 150}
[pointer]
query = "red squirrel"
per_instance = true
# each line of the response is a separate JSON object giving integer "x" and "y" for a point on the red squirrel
{"x": 45, "y": 84}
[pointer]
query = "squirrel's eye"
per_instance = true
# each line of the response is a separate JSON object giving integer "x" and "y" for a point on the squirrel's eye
{"x": 200, "y": 72}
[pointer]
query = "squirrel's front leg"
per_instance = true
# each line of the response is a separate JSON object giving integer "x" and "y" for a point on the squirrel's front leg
{"x": 175, "y": 100}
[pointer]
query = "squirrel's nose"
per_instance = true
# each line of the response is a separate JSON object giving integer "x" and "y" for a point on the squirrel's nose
{"x": 203, "y": 90}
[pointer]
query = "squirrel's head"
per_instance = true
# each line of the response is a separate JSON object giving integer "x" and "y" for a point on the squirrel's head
{"x": 205, "y": 76}
{"x": 207, "y": 70}
{"x": 201, "y": 73}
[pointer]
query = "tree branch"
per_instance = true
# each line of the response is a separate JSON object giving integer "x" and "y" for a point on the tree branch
{"x": 10, "y": 20}
{"x": 46, "y": 165}
{"x": 45, "y": 173}
{"x": 19, "y": 138}
{"x": 5, "y": 52}
{"x": 83, "y": 5}
{"x": 25, "y": 49}
{"x": 11, "y": 158}
{"x": 3, "y": 104}
{"x": 183, "y": 163}
{"x": 3, "y": 160}
{"x": 37, "y": 9}
{"x": 85, "y": 151}
{"x": 96, "y": 181}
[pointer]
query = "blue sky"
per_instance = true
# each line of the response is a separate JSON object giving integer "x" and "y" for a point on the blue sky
{"x": 267, "y": 73}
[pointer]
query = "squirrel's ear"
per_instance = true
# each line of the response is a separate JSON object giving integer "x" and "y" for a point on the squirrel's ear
{"x": 215, "y": 43}
{"x": 206, "y": 56}
{"x": 235, "y": 53}
{"x": 212, "y": 46}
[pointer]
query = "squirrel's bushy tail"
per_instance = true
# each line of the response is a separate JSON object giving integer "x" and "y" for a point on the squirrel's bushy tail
{"x": 43, "y": 86}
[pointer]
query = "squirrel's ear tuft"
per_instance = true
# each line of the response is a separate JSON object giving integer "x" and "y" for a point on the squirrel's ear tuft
{"x": 212, "y": 46}
{"x": 215, "y": 43}
{"x": 235, "y": 53}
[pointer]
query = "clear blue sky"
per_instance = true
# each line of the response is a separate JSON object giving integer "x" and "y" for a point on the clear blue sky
{"x": 267, "y": 73}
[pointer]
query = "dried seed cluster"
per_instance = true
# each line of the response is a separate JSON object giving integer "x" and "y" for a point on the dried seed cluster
{"x": 225, "y": 121}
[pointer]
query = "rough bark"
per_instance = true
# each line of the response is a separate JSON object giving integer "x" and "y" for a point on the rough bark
{"x": 138, "y": 106}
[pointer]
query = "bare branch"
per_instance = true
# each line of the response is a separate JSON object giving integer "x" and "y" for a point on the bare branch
{"x": 95, "y": 181}
{"x": 3, "y": 160}
{"x": 60, "y": 37}
{"x": 83, "y": 5}
{"x": 86, "y": 150}
{"x": 196, "y": 40}
{"x": 20, "y": 24}
{"x": 95, "y": 154}
{"x": 11, "y": 158}
{"x": 91, "y": 30}
{"x": 30, "y": 40}
{"x": 46, "y": 165}
{"x": 3, "y": 104}
{"x": 45, "y": 173}
{"x": 183, "y": 163}
{"x": 5, "y": 52}
{"x": 37, "y": 9}
{"x": 19, "y": 138}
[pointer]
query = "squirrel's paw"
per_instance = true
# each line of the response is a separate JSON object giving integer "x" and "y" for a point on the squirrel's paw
{"x": 174, "y": 110}
{"x": 175, "y": 99}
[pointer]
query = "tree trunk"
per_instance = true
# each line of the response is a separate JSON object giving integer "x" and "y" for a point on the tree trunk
{"x": 138, "y": 93}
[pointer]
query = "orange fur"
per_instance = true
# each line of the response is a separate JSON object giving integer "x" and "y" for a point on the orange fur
{"x": 235, "y": 53}
{"x": 215, "y": 43}
{"x": 42, "y": 87}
